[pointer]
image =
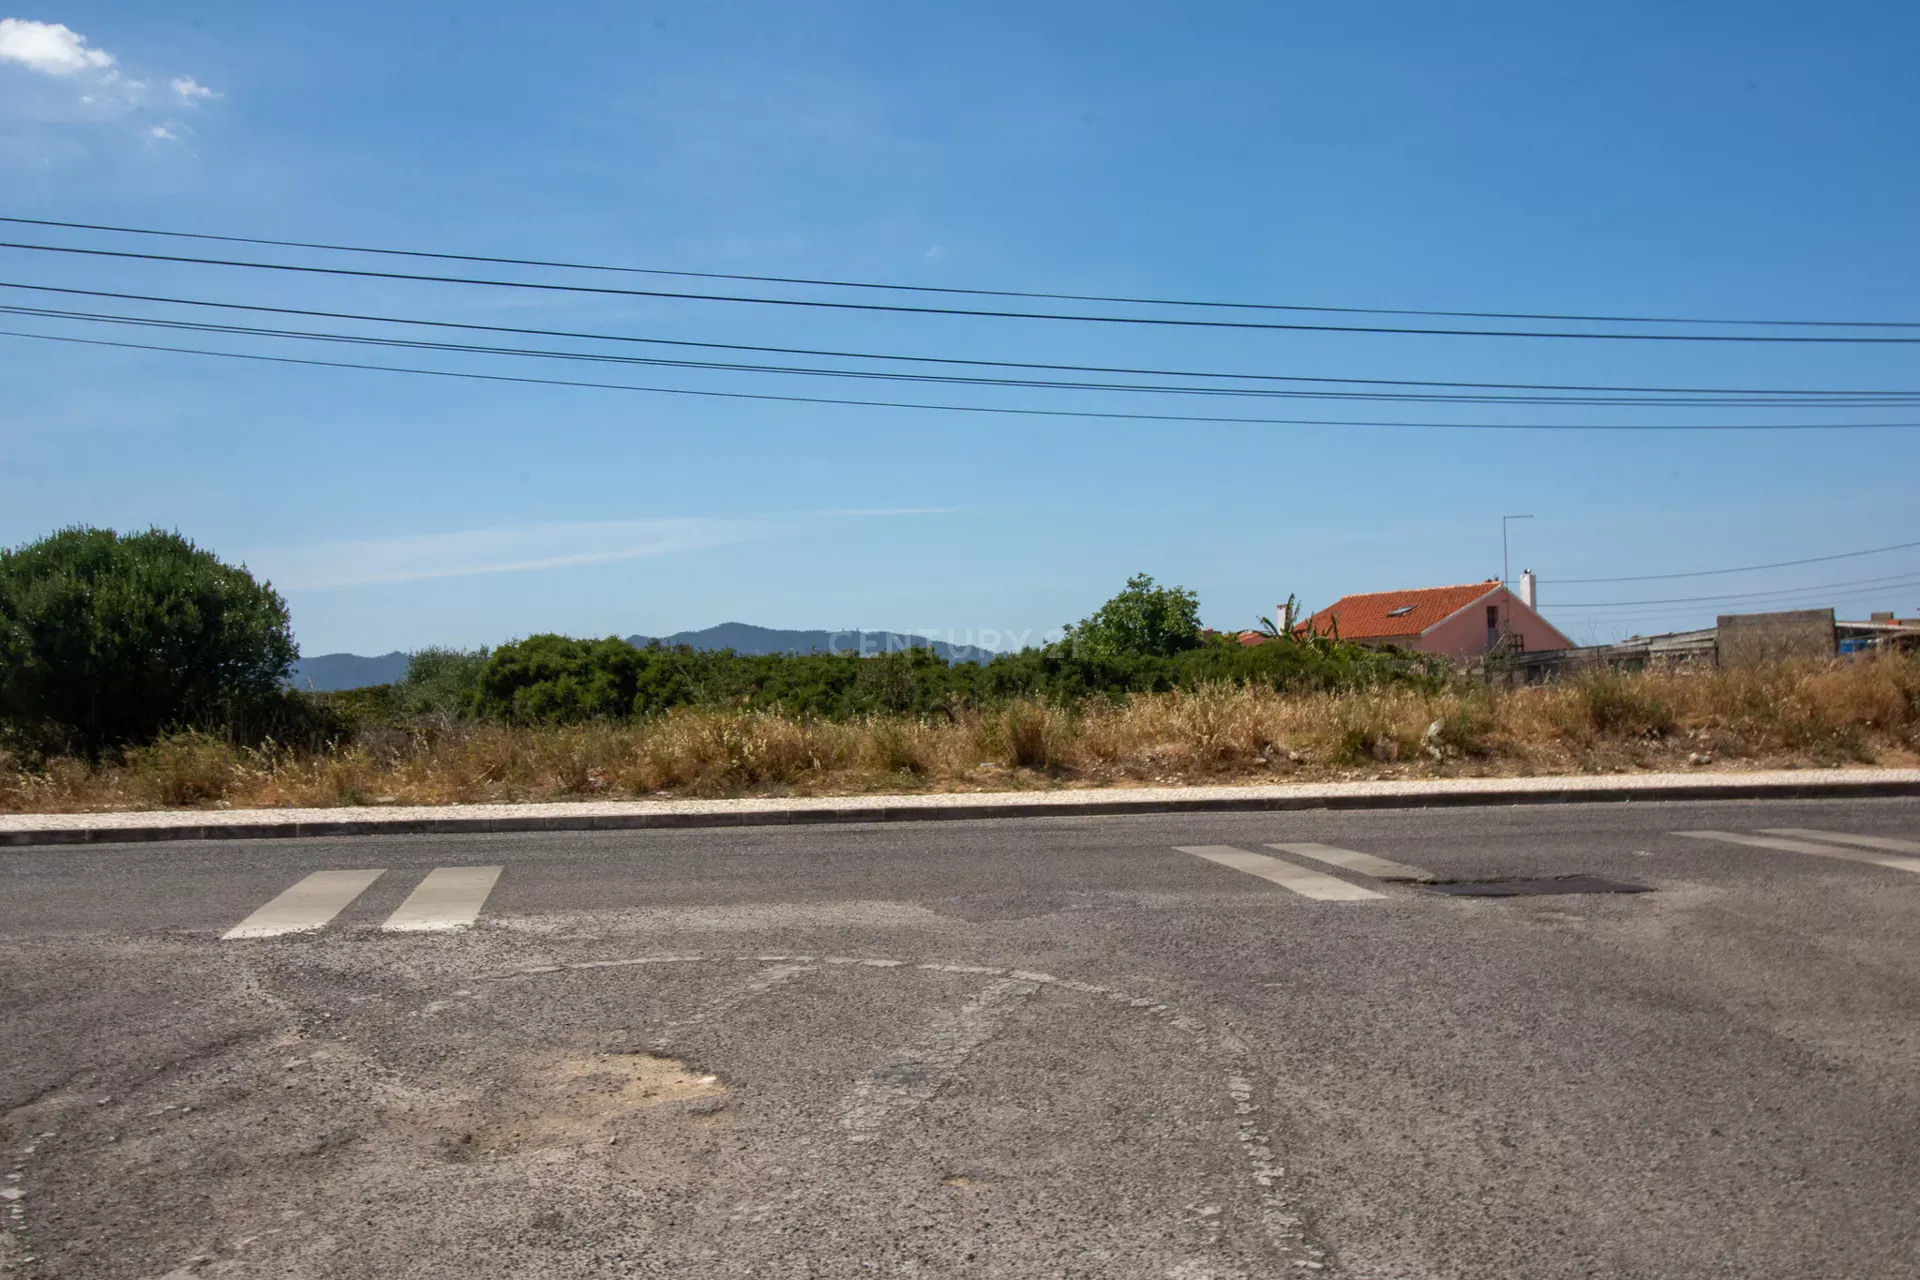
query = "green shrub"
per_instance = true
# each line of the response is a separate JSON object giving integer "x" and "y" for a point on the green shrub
{"x": 441, "y": 681}
{"x": 108, "y": 640}
{"x": 1142, "y": 621}
{"x": 552, "y": 679}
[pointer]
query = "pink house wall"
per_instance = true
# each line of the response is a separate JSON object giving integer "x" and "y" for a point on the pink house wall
{"x": 1464, "y": 635}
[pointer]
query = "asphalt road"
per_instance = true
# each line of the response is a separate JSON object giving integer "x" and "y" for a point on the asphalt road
{"x": 1021, "y": 1048}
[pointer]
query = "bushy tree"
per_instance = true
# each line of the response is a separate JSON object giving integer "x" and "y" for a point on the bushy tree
{"x": 107, "y": 640}
{"x": 440, "y": 681}
{"x": 551, "y": 679}
{"x": 1143, "y": 621}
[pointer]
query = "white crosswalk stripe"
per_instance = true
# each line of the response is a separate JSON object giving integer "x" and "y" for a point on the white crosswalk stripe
{"x": 449, "y": 898}
{"x": 307, "y": 906}
{"x": 1365, "y": 863}
{"x": 1308, "y": 884}
{"x": 1787, "y": 844}
{"x": 1889, "y": 843}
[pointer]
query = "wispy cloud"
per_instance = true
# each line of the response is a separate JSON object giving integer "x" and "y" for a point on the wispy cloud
{"x": 163, "y": 133}
{"x": 892, "y": 511}
{"x": 522, "y": 548}
{"x": 50, "y": 48}
{"x": 507, "y": 549}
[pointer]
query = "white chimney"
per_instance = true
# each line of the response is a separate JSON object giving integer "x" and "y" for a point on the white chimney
{"x": 1528, "y": 586}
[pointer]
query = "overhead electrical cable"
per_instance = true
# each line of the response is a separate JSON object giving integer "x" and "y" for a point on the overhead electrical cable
{"x": 201, "y": 326}
{"x": 1810, "y": 600}
{"x": 953, "y": 290}
{"x": 1724, "y": 396}
{"x": 549, "y": 286}
{"x": 1895, "y": 580}
{"x": 1746, "y": 568}
{"x": 987, "y": 410}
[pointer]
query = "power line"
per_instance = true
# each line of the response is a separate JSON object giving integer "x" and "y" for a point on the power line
{"x": 902, "y": 309}
{"x": 1726, "y": 396}
{"x": 198, "y": 326}
{"x": 954, "y": 408}
{"x": 954, "y": 290}
{"x": 1896, "y": 580}
{"x": 1749, "y": 568}
{"x": 1822, "y": 598}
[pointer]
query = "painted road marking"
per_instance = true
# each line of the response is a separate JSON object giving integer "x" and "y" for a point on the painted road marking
{"x": 920, "y": 1071}
{"x": 449, "y": 898}
{"x": 1888, "y": 843}
{"x": 1308, "y": 884}
{"x": 305, "y": 907}
{"x": 1365, "y": 863}
{"x": 1806, "y": 846}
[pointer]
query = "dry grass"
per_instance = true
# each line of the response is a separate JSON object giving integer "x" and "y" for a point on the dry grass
{"x": 1844, "y": 713}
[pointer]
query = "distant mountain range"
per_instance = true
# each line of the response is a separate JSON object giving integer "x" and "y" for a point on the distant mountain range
{"x": 330, "y": 671}
{"x": 742, "y": 637}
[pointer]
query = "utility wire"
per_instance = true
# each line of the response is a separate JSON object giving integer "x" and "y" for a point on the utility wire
{"x": 1747, "y": 568}
{"x": 1896, "y": 580}
{"x": 1743, "y": 397}
{"x": 200, "y": 326}
{"x": 953, "y": 290}
{"x": 1856, "y": 594}
{"x": 956, "y": 408}
{"x": 902, "y": 309}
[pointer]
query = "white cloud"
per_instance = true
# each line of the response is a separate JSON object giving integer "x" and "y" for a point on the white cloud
{"x": 49, "y": 47}
{"x": 187, "y": 89}
{"x": 74, "y": 83}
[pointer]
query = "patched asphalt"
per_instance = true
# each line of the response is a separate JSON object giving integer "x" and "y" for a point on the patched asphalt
{"x": 1046, "y": 1047}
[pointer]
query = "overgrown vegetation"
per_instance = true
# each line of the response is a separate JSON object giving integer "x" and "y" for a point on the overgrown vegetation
{"x": 1859, "y": 712}
{"x": 140, "y": 672}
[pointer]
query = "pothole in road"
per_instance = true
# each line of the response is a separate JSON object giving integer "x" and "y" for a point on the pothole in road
{"x": 564, "y": 1099}
{"x": 1533, "y": 888}
{"x": 919, "y": 1114}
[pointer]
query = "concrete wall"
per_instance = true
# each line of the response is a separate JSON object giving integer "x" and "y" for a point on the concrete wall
{"x": 1464, "y": 635}
{"x": 1751, "y": 639}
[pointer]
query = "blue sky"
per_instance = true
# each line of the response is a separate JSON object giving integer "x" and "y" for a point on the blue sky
{"x": 1721, "y": 160}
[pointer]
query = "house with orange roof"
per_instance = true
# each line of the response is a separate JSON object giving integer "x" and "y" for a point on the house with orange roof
{"x": 1457, "y": 622}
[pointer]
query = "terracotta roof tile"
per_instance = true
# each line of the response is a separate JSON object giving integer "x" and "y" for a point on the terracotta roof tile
{"x": 1367, "y": 617}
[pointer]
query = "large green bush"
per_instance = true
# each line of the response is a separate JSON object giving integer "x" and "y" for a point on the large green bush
{"x": 107, "y": 640}
{"x": 440, "y": 681}
{"x": 1143, "y": 621}
{"x": 552, "y": 679}
{"x": 558, "y": 680}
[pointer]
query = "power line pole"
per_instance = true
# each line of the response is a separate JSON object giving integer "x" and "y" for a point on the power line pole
{"x": 1505, "y": 576}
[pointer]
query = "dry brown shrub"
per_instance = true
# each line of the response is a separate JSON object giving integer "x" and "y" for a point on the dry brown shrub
{"x": 895, "y": 746}
{"x": 713, "y": 752}
{"x": 1794, "y": 713}
{"x": 186, "y": 770}
{"x": 577, "y": 760}
{"x": 1025, "y": 734}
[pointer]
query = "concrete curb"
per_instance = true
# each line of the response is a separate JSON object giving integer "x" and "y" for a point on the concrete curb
{"x": 1094, "y": 804}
